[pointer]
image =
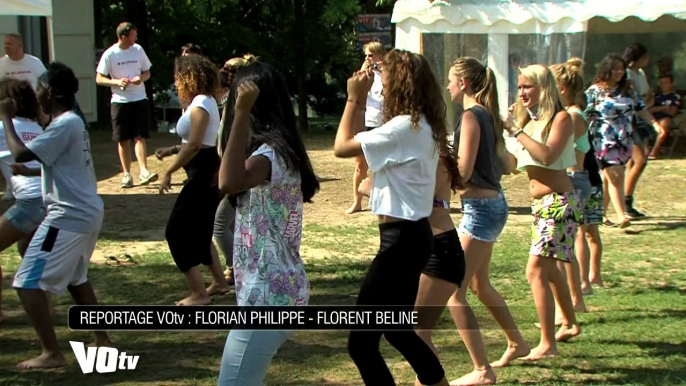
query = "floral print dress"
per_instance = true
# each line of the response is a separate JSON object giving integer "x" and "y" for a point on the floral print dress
{"x": 268, "y": 269}
{"x": 610, "y": 115}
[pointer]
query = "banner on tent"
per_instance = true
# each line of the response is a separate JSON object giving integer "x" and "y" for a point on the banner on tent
{"x": 375, "y": 27}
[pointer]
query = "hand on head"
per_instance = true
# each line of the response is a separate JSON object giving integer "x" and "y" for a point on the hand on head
{"x": 247, "y": 95}
{"x": 7, "y": 108}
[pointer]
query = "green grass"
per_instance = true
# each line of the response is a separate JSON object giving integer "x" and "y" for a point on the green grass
{"x": 635, "y": 333}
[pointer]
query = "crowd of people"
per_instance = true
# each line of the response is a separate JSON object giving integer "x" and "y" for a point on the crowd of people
{"x": 249, "y": 175}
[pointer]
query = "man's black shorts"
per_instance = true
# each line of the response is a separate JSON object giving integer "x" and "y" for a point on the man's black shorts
{"x": 130, "y": 120}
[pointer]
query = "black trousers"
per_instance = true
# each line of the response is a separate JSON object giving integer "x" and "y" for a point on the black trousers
{"x": 190, "y": 225}
{"x": 393, "y": 279}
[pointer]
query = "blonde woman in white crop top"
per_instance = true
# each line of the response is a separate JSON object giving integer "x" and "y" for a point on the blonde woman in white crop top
{"x": 544, "y": 149}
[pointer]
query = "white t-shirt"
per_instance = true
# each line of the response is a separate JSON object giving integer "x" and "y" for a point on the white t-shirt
{"x": 23, "y": 187}
{"x": 404, "y": 161}
{"x": 373, "y": 117}
{"x": 70, "y": 190}
{"x": 209, "y": 104}
{"x": 29, "y": 68}
{"x": 117, "y": 63}
{"x": 640, "y": 82}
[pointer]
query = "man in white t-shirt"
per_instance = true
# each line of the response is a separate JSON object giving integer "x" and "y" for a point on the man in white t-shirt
{"x": 19, "y": 65}
{"x": 124, "y": 67}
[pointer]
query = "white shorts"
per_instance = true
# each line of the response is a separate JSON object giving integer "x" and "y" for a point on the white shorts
{"x": 56, "y": 259}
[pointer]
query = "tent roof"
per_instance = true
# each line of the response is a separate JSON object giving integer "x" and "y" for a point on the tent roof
{"x": 489, "y": 12}
{"x": 26, "y": 7}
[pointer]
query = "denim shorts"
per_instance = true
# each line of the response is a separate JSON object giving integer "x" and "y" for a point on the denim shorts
{"x": 484, "y": 219}
{"x": 582, "y": 186}
{"x": 26, "y": 214}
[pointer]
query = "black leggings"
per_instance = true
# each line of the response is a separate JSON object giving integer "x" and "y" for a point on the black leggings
{"x": 190, "y": 226}
{"x": 393, "y": 279}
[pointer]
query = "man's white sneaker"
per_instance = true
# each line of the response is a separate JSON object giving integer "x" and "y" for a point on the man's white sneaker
{"x": 127, "y": 181}
{"x": 147, "y": 177}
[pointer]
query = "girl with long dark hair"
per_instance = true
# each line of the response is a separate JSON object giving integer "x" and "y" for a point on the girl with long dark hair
{"x": 266, "y": 165}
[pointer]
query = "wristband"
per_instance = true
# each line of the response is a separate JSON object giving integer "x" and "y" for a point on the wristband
{"x": 520, "y": 131}
{"x": 175, "y": 149}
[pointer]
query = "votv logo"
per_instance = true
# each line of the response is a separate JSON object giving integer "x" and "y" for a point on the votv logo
{"x": 108, "y": 359}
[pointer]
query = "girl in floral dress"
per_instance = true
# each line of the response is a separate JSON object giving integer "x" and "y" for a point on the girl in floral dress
{"x": 612, "y": 105}
{"x": 266, "y": 164}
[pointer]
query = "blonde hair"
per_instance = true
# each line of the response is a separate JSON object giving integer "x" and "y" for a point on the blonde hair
{"x": 549, "y": 103}
{"x": 375, "y": 48}
{"x": 570, "y": 75}
{"x": 243, "y": 61}
{"x": 482, "y": 81}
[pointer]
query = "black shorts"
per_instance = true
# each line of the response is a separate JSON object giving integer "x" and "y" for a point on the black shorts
{"x": 447, "y": 261}
{"x": 643, "y": 132}
{"x": 130, "y": 120}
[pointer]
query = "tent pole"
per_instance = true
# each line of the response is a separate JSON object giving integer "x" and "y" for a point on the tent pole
{"x": 51, "y": 38}
{"x": 498, "y": 61}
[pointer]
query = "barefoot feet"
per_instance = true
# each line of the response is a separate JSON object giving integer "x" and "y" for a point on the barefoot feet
{"x": 586, "y": 289}
{"x": 195, "y": 300}
{"x": 218, "y": 289}
{"x": 514, "y": 351}
{"x": 567, "y": 332}
{"x": 476, "y": 377}
{"x": 354, "y": 209}
{"x": 43, "y": 361}
{"x": 541, "y": 352}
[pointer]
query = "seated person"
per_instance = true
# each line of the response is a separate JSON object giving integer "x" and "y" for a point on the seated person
{"x": 667, "y": 104}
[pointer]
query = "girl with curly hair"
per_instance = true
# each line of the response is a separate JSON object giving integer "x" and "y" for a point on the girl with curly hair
{"x": 20, "y": 221}
{"x": 403, "y": 154}
{"x": 197, "y": 81}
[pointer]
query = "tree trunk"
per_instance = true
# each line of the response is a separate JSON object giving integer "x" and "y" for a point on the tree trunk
{"x": 300, "y": 62}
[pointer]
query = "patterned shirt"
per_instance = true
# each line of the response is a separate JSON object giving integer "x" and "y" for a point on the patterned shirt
{"x": 610, "y": 115}
{"x": 266, "y": 248}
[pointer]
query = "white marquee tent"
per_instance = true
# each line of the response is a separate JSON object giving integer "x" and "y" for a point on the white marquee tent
{"x": 501, "y": 32}
{"x": 31, "y": 8}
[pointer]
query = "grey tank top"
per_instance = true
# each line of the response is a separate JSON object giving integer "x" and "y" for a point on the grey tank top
{"x": 488, "y": 167}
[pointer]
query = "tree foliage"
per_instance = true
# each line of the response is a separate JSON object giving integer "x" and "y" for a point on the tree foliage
{"x": 265, "y": 28}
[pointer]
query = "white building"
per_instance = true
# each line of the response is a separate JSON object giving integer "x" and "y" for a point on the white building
{"x": 73, "y": 34}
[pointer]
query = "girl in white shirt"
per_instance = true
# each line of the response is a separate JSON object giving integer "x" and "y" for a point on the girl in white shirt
{"x": 190, "y": 226}
{"x": 19, "y": 222}
{"x": 403, "y": 155}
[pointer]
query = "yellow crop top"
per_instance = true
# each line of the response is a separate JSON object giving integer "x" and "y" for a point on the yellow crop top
{"x": 567, "y": 158}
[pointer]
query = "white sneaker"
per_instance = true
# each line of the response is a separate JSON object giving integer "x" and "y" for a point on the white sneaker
{"x": 127, "y": 181}
{"x": 8, "y": 196}
{"x": 146, "y": 177}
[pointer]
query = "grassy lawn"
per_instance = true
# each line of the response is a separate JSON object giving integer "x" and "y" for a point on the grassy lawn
{"x": 634, "y": 334}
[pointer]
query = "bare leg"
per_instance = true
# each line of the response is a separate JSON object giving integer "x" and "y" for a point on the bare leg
{"x": 491, "y": 298}
{"x": 199, "y": 296}
{"x": 360, "y": 174}
{"x": 583, "y": 254}
{"x": 615, "y": 176}
{"x": 596, "y": 248}
{"x": 538, "y": 270}
{"x": 219, "y": 284}
{"x": 125, "y": 156}
{"x": 606, "y": 194}
{"x": 633, "y": 172}
{"x": 2, "y": 316}
{"x": 558, "y": 283}
{"x": 665, "y": 124}
{"x": 36, "y": 307}
{"x": 573, "y": 277}
{"x": 476, "y": 253}
{"x": 141, "y": 149}
{"x": 83, "y": 295}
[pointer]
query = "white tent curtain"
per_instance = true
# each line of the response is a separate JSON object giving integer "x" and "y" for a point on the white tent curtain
{"x": 506, "y": 32}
